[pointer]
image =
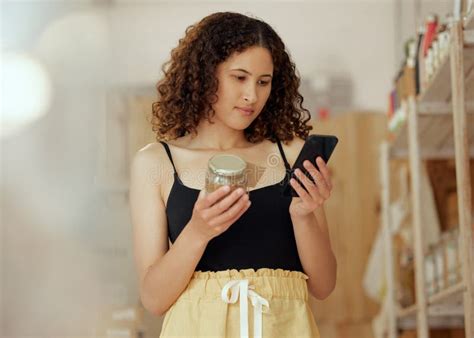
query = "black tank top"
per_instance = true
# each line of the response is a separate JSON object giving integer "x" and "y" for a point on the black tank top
{"x": 262, "y": 237}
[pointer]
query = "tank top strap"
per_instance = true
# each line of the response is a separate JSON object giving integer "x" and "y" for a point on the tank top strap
{"x": 168, "y": 152}
{"x": 287, "y": 165}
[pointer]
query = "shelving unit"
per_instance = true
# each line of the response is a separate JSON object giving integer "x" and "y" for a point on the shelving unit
{"x": 445, "y": 310}
{"x": 440, "y": 124}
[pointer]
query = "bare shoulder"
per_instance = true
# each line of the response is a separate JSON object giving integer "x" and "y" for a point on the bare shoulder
{"x": 148, "y": 160}
{"x": 152, "y": 152}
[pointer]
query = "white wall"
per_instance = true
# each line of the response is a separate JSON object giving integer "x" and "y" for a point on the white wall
{"x": 348, "y": 38}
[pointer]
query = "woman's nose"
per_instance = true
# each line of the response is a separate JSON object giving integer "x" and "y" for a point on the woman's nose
{"x": 250, "y": 94}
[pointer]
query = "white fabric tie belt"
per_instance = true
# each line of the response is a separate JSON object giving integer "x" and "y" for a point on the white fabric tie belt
{"x": 242, "y": 286}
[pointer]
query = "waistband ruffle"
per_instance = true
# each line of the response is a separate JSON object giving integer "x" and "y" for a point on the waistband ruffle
{"x": 268, "y": 283}
{"x": 245, "y": 273}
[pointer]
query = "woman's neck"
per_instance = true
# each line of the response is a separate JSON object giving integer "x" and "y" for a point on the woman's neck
{"x": 218, "y": 137}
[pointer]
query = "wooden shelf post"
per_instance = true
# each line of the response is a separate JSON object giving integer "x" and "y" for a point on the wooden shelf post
{"x": 415, "y": 170}
{"x": 463, "y": 180}
{"x": 387, "y": 237}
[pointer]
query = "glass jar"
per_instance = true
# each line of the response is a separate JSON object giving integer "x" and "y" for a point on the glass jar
{"x": 226, "y": 169}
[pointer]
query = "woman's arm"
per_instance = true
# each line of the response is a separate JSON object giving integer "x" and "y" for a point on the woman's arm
{"x": 311, "y": 227}
{"x": 315, "y": 252}
{"x": 163, "y": 274}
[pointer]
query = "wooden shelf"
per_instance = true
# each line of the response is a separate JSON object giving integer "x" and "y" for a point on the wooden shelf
{"x": 451, "y": 295}
{"x": 445, "y": 310}
{"x": 409, "y": 323}
{"x": 434, "y": 107}
{"x": 449, "y": 298}
{"x": 429, "y": 131}
{"x": 439, "y": 88}
{"x": 436, "y": 136}
{"x": 407, "y": 312}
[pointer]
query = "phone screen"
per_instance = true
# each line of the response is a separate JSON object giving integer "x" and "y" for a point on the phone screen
{"x": 314, "y": 146}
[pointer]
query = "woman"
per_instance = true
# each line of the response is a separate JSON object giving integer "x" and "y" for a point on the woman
{"x": 230, "y": 87}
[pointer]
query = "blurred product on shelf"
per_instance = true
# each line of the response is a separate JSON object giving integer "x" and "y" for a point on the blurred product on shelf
{"x": 431, "y": 24}
{"x": 391, "y": 104}
{"x": 419, "y": 40}
{"x": 399, "y": 117}
{"x": 425, "y": 54}
{"x": 405, "y": 276}
{"x": 430, "y": 272}
{"x": 438, "y": 252}
{"x": 453, "y": 257}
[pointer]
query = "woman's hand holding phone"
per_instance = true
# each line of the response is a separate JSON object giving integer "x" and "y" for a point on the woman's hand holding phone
{"x": 315, "y": 192}
{"x": 310, "y": 177}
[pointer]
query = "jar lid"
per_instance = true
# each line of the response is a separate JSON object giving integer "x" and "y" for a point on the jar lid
{"x": 227, "y": 165}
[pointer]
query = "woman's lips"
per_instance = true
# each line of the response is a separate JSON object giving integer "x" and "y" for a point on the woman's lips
{"x": 245, "y": 111}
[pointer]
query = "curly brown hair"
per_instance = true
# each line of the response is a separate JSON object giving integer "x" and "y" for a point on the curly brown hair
{"x": 186, "y": 92}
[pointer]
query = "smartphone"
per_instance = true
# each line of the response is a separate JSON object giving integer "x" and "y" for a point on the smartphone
{"x": 314, "y": 146}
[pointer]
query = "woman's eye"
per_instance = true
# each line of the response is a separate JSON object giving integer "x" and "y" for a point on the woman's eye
{"x": 242, "y": 78}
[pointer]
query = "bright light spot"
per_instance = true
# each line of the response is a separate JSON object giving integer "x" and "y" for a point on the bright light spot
{"x": 26, "y": 93}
